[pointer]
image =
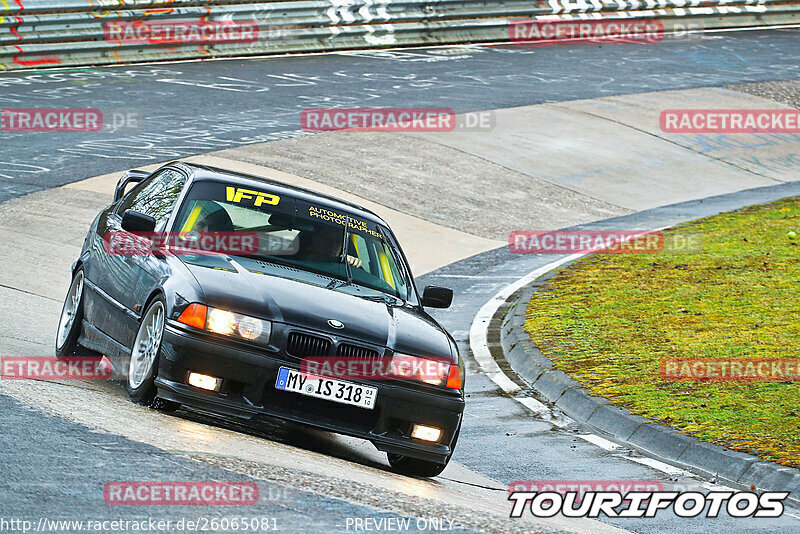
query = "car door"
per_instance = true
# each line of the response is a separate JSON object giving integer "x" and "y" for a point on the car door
{"x": 122, "y": 278}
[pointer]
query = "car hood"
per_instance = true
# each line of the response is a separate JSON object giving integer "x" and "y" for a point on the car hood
{"x": 401, "y": 328}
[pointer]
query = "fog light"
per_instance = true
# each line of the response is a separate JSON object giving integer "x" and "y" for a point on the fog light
{"x": 427, "y": 433}
{"x": 204, "y": 381}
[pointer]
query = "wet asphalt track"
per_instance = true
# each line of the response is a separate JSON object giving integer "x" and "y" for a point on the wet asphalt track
{"x": 192, "y": 108}
{"x": 183, "y": 109}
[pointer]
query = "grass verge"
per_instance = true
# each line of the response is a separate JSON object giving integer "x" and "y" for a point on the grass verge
{"x": 608, "y": 320}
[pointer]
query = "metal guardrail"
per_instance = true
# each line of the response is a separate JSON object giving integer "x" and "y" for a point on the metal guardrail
{"x": 55, "y": 33}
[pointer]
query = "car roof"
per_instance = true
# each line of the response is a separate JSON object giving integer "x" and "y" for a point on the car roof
{"x": 207, "y": 172}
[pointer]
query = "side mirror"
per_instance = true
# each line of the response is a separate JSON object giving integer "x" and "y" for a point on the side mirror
{"x": 134, "y": 221}
{"x": 437, "y": 297}
{"x": 130, "y": 177}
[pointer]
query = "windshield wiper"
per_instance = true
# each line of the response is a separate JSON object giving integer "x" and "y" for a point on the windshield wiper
{"x": 303, "y": 268}
{"x": 388, "y": 299}
{"x": 344, "y": 250}
{"x": 335, "y": 284}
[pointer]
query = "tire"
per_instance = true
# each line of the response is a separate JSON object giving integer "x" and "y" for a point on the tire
{"x": 69, "y": 324}
{"x": 415, "y": 467}
{"x": 420, "y": 468}
{"x": 143, "y": 367}
{"x": 164, "y": 405}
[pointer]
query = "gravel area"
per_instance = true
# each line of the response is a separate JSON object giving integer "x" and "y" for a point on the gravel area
{"x": 785, "y": 91}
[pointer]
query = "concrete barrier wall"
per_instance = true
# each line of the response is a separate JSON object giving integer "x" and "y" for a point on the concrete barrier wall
{"x": 55, "y": 33}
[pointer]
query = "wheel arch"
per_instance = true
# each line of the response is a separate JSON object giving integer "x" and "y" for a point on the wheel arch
{"x": 154, "y": 294}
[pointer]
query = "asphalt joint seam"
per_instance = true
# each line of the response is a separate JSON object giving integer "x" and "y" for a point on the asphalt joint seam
{"x": 28, "y": 292}
{"x": 543, "y": 180}
{"x": 660, "y": 138}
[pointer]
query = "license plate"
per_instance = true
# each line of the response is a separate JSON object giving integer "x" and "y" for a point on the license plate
{"x": 326, "y": 388}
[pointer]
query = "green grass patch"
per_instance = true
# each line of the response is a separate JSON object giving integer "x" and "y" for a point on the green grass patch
{"x": 608, "y": 320}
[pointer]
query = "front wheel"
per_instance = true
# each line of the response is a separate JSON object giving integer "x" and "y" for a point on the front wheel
{"x": 146, "y": 350}
{"x": 420, "y": 468}
{"x": 415, "y": 467}
{"x": 69, "y": 324}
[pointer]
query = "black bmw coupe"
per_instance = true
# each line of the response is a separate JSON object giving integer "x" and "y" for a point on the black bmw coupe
{"x": 244, "y": 296}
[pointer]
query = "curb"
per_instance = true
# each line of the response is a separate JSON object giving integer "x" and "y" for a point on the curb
{"x": 618, "y": 424}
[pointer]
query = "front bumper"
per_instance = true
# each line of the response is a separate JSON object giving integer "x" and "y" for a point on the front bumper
{"x": 248, "y": 389}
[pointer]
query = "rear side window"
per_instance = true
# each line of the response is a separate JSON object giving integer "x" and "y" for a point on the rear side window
{"x": 156, "y": 196}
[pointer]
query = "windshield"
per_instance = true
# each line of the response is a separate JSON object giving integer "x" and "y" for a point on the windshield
{"x": 296, "y": 233}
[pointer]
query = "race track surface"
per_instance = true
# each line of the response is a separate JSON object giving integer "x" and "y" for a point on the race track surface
{"x": 65, "y": 441}
{"x": 192, "y": 108}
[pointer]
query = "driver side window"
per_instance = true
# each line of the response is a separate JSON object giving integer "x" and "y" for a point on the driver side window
{"x": 156, "y": 196}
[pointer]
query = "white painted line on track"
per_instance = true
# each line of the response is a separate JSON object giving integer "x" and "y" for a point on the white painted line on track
{"x": 610, "y": 446}
{"x": 479, "y": 330}
{"x": 603, "y": 443}
{"x": 533, "y": 405}
{"x": 472, "y": 276}
{"x": 661, "y": 466}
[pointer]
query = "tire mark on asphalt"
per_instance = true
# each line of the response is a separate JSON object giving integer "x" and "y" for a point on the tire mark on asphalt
{"x": 660, "y": 138}
{"x": 29, "y": 292}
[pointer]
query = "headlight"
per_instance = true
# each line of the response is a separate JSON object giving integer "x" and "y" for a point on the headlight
{"x": 226, "y": 323}
{"x": 250, "y": 328}
{"x": 427, "y": 370}
{"x": 221, "y": 322}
